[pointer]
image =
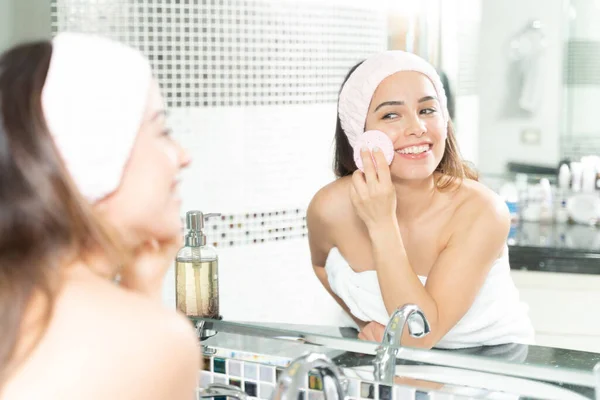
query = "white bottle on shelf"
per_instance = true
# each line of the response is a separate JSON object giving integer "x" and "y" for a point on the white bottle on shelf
{"x": 561, "y": 214}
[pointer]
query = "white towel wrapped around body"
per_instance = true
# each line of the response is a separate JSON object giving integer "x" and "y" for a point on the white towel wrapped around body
{"x": 497, "y": 316}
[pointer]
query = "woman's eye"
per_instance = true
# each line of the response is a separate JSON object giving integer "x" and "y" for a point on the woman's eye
{"x": 427, "y": 111}
{"x": 390, "y": 116}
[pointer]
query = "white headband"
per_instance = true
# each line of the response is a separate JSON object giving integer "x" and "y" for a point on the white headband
{"x": 94, "y": 99}
{"x": 356, "y": 95}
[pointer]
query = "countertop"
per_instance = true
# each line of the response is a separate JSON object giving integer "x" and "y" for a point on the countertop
{"x": 562, "y": 248}
{"x": 526, "y": 354}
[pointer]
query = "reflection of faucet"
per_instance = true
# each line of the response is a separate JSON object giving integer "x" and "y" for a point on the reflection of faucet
{"x": 202, "y": 332}
{"x": 292, "y": 377}
{"x": 385, "y": 362}
{"x": 222, "y": 390}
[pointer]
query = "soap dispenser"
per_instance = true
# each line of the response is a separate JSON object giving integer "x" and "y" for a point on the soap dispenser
{"x": 197, "y": 271}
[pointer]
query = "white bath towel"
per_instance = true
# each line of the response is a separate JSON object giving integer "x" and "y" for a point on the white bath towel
{"x": 497, "y": 316}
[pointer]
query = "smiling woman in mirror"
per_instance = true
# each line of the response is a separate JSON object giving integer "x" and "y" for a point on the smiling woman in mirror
{"x": 419, "y": 229}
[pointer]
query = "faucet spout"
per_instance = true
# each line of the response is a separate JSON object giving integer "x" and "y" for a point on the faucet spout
{"x": 418, "y": 327}
{"x": 221, "y": 390}
{"x": 292, "y": 377}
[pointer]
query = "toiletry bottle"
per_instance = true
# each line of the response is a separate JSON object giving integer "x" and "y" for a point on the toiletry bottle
{"x": 547, "y": 203}
{"x": 197, "y": 271}
{"x": 576, "y": 175}
{"x": 510, "y": 194}
{"x": 564, "y": 180}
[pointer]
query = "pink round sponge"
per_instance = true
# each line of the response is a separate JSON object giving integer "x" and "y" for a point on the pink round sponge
{"x": 372, "y": 139}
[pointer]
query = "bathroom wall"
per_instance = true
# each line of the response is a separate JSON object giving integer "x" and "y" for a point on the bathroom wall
{"x": 251, "y": 88}
{"x": 460, "y": 32}
{"x": 23, "y": 20}
{"x": 6, "y": 24}
{"x": 505, "y": 134}
{"x": 581, "y": 134}
{"x": 31, "y": 20}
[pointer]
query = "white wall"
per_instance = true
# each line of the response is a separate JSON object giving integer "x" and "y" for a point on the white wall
{"x": 584, "y": 98}
{"x": 500, "y": 132}
{"x": 251, "y": 160}
{"x": 460, "y": 31}
{"x": 23, "y": 20}
{"x": 6, "y": 24}
{"x": 31, "y": 20}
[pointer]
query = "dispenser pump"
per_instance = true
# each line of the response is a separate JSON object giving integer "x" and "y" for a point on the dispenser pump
{"x": 194, "y": 221}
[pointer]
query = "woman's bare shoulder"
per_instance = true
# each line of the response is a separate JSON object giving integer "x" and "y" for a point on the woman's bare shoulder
{"x": 107, "y": 343}
{"x": 329, "y": 211}
{"x": 474, "y": 200}
{"x": 332, "y": 202}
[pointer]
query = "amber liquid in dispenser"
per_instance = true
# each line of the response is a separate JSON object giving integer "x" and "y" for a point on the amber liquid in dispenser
{"x": 197, "y": 272}
{"x": 197, "y": 292}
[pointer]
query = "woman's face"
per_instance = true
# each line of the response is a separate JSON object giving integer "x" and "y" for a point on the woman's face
{"x": 147, "y": 204}
{"x": 406, "y": 108}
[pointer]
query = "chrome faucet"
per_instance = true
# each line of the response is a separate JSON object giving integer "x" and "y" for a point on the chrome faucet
{"x": 385, "y": 361}
{"x": 222, "y": 390}
{"x": 291, "y": 379}
{"x": 202, "y": 332}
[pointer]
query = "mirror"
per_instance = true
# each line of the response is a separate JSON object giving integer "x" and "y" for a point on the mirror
{"x": 252, "y": 88}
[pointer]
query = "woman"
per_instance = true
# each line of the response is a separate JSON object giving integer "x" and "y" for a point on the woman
{"x": 88, "y": 192}
{"x": 421, "y": 231}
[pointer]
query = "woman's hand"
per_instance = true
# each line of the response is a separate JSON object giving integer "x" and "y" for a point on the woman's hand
{"x": 373, "y": 332}
{"x": 151, "y": 262}
{"x": 372, "y": 192}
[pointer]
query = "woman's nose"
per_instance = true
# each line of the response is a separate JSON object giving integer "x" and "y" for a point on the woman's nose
{"x": 184, "y": 156}
{"x": 415, "y": 127}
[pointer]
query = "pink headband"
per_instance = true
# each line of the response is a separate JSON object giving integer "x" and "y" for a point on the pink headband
{"x": 94, "y": 99}
{"x": 358, "y": 91}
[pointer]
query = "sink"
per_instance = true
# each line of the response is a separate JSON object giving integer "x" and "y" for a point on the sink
{"x": 470, "y": 383}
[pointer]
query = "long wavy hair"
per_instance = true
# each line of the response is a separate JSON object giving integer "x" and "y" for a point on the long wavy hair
{"x": 45, "y": 223}
{"x": 451, "y": 168}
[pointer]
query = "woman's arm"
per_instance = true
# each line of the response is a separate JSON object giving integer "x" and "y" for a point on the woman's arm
{"x": 460, "y": 269}
{"x": 456, "y": 277}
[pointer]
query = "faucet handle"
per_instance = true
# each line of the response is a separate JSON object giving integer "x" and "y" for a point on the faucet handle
{"x": 222, "y": 390}
{"x": 290, "y": 381}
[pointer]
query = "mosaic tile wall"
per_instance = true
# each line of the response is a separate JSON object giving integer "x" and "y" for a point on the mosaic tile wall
{"x": 211, "y": 53}
{"x": 258, "y": 227}
{"x": 259, "y": 381}
{"x": 215, "y": 59}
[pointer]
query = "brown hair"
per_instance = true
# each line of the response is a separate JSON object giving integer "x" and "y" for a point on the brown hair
{"x": 45, "y": 224}
{"x": 451, "y": 168}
